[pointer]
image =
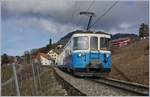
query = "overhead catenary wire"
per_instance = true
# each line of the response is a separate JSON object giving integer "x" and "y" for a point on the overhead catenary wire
{"x": 74, "y": 11}
{"x": 100, "y": 17}
{"x": 90, "y": 5}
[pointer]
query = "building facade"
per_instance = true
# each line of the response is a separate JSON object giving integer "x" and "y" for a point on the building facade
{"x": 121, "y": 42}
{"x": 53, "y": 55}
{"x": 44, "y": 59}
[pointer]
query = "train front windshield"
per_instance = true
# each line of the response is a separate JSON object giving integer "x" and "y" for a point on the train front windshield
{"x": 94, "y": 43}
{"x": 80, "y": 43}
{"x": 104, "y": 43}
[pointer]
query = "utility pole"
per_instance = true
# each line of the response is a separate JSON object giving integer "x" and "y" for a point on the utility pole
{"x": 90, "y": 14}
{"x": 50, "y": 41}
{"x": 34, "y": 78}
{"x": 38, "y": 72}
{"x": 16, "y": 79}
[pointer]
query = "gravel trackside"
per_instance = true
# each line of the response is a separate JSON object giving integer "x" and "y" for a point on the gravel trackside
{"x": 91, "y": 88}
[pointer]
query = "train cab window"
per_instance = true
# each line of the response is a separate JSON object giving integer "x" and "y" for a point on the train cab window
{"x": 80, "y": 43}
{"x": 94, "y": 43}
{"x": 104, "y": 43}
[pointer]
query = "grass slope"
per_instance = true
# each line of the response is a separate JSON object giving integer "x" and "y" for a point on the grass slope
{"x": 132, "y": 63}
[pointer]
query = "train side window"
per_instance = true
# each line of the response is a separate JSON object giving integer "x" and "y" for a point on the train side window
{"x": 104, "y": 43}
{"x": 67, "y": 52}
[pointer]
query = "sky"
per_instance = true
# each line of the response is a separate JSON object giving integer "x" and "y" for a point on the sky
{"x": 29, "y": 24}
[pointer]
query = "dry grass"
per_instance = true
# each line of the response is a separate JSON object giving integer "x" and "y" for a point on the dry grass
{"x": 8, "y": 90}
{"x": 49, "y": 85}
{"x": 133, "y": 62}
{"x": 6, "y": 73}
{"x": 26, "y": 88}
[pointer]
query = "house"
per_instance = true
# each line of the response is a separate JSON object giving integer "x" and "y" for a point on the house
{"x": 44, "y": 59}
{"x": 121, "y": 42}
{"x": 53, "y": 55}
{"x": 59, "y": 46}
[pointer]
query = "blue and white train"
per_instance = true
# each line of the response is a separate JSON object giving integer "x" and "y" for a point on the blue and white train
{"x": 87, "y": 54}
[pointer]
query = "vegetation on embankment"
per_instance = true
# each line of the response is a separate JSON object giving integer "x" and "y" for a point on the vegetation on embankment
{"x": 132, "y": 62}
{"x": 48, "y": 85}
{"x": 6, "y": 73}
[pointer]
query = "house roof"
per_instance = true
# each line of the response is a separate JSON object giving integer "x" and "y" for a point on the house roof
{"x": 120, "y": 39}
{"x": 90, "y": 32}
{"x": 43, "y": 55}
{"x": 55, "y": 51}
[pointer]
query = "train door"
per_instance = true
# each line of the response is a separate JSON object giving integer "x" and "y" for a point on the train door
{"x": 94, "y": 53}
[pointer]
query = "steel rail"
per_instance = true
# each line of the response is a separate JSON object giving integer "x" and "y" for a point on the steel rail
{"x": 127, "y": 86}
{"x": 131, "y": 87}
{"x": 71, "y": 90}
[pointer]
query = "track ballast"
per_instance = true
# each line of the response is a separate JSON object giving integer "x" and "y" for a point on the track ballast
{"x": 128, "y": 86}
{"x": 102, "y": 87}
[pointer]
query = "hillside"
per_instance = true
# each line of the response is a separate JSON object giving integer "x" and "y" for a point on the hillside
{"x": 122, "y": 35}
{"x": 66, "y": 38}
{"x": 131, "y": 63}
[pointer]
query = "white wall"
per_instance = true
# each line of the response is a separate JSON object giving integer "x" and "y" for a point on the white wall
{"x": 53, "y": 55}
{"x": 45, "y": 61}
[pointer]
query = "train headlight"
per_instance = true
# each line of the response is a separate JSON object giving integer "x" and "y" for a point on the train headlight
{"x": 107, "y": 55}
{"x": 79, "y": 54}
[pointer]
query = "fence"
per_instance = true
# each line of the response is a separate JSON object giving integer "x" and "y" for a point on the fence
{"x": 25, "y": 80}
{"x": 31, "y": 79}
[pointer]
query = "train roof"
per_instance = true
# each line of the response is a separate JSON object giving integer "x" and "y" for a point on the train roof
{"x": 89, "y": 32}
{"x": 67, "y": 37}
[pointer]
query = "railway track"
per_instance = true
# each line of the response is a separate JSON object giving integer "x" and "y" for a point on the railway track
{"x": 123, "y": 85}
{"x": 89, "y": 86}
{"x": 71, "y": 90}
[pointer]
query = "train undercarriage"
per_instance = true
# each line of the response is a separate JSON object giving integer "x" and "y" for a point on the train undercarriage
{"x": 88, "y": 72}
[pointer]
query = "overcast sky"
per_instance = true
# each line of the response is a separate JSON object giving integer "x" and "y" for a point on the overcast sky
{"x": 28, "y": 24}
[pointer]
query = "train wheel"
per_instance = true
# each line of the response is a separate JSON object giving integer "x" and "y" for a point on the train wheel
{"x": 65, "y": 69}
{"x": 105, "y": 75}
{"x": 68, "y": 69}
{"x": 72, "y": 72}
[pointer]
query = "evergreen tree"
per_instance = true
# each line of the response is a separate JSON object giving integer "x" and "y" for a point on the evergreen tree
{"x": 144, "y": 30}
{"x": 4, "y": 58}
